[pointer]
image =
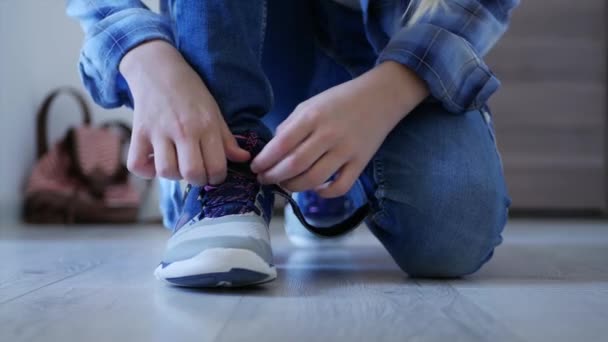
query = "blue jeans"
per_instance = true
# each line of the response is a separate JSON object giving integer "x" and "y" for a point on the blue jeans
{"x": 436, "y": 187}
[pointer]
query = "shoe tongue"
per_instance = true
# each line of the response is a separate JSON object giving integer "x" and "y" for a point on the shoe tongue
{"x": 250, "y": 141}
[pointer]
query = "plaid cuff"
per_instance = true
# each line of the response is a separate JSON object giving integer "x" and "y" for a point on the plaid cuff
{"x": 105, "y": 45}
{"x": 453, "y": 71}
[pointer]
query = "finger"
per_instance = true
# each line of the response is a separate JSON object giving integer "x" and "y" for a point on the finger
{"x": 281, "y": 145}
{"x": 285, "y": 123}
{"x": 232, "y": 149}
{"x": 347, "y": 176}
{"x": 138, "y": 160}
{"x": 214, "y": 158}
{"x": 302, "y": 158}
{"x": 290, "y": 118}
{"x": 165, "y": 160}
{"x": 190, "y": 162}
{"x": 318, "y": 174}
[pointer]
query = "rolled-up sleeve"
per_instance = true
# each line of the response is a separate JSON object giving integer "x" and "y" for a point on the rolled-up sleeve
{"x": 112, "y": 28}
{"x": 446, "y": 47}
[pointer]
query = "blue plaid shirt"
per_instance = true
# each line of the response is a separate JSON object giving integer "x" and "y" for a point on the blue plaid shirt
{"x": 445, "y": 48}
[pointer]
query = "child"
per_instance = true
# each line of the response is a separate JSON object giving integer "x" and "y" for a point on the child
{"x": 388, "y": 97}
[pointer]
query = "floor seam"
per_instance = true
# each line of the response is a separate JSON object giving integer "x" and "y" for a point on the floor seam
{"x": 228, "y": 318}
{"x": 48, "y": 284}
{"x": 481, "y": 310}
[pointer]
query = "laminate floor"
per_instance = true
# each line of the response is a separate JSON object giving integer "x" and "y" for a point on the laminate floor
{"x": 547, "y": 282}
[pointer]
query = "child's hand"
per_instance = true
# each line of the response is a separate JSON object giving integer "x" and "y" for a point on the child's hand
{"x": 176, "y": 119}
{"x": 339, "y": 130}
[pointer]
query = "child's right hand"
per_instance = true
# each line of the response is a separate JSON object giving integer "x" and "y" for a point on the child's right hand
{"x": 176, "y": 119}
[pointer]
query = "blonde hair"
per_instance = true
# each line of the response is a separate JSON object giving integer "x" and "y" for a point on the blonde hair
{"x": 421, "y": 8}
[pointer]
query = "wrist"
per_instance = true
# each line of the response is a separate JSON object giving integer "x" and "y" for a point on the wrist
{"x": 146, "y": 59}
{"x": 403, "y": 88}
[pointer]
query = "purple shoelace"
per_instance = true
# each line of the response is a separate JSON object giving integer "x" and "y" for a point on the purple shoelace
{"x": 235, "y": 196}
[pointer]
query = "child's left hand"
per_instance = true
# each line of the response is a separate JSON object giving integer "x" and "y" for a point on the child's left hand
{"x": 339, "y": 130}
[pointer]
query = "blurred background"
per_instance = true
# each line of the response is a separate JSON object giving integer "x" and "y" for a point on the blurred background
{"x": 550, "y": 114}
{"x": 40, "y": 50}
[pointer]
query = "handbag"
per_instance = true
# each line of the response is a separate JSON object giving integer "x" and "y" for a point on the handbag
{"x": 82, "y": 178}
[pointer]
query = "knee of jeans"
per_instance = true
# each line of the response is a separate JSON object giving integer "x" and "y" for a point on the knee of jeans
{"x": 445, "y": 234}
{"x": 445, "y": 264}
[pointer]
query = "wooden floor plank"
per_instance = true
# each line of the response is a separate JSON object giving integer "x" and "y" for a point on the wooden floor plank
{"x": 96, "y": 284}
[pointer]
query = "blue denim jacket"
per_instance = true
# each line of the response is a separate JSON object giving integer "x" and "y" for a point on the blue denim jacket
{"x": 445, "y": 48}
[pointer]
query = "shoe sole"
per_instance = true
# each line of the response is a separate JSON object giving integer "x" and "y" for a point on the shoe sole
{"x": 218, "y": 267}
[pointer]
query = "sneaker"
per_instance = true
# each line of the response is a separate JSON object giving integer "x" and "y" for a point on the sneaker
{"x": 319, "y": 212}
{"x": 222, "y": 236}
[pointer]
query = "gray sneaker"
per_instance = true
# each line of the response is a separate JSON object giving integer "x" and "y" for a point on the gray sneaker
{"x": 222, "y": 237}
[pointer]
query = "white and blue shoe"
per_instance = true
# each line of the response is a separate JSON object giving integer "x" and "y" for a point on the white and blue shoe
{"x": 222, "y": 236}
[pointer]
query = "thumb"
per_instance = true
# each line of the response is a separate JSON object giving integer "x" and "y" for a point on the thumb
{"x": 232, "y": 149}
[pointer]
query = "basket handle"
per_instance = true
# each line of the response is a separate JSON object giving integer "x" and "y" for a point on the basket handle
{"x": 43, "y": 113}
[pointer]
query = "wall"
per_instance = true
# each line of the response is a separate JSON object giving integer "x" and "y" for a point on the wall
{"x": 39, "y": 51}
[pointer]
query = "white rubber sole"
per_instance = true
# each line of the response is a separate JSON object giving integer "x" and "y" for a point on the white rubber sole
{"x": 218, "y": 267}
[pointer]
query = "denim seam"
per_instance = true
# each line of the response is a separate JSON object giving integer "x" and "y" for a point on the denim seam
{"x": 263, "y": 29}
{"x": 378, "y": 174}
{"x": 488, "y": 120}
